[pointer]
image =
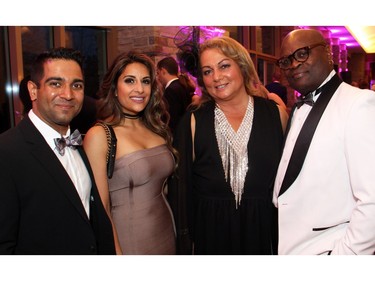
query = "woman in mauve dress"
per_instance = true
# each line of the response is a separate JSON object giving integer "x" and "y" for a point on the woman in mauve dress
{"x": 131, "y": 102}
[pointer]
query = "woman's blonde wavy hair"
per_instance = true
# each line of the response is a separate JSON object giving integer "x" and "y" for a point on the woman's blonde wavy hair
{"x": 235, "y": 51}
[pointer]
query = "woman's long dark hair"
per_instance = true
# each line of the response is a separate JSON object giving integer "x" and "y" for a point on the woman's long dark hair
{"x": 155, "y": 116}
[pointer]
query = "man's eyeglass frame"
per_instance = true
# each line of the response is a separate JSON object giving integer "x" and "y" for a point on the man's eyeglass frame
{"x": 292, "y": 57}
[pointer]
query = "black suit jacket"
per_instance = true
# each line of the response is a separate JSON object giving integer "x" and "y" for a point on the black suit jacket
{"x": 278, "y": 89}
{"x": 40, "y": 209}
{"x": 178, "y": 98}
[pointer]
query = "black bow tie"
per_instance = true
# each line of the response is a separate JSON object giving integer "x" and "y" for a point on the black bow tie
{"x": 73, "y": 140}
{"x": 308, "y": 99}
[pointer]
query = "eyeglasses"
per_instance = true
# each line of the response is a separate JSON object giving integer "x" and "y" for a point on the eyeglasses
{"x": 300, "y": 55}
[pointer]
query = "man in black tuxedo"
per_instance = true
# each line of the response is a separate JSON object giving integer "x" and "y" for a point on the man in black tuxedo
{"x": 49, "y": 202}
{"x": 178, "y": 91}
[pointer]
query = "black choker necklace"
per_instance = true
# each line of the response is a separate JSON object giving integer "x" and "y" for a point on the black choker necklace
{"x": 131, "y": 116}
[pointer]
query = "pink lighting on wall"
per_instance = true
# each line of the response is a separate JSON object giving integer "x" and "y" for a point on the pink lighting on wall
{"x": 340, "y": 39}
{"x": 203, "y": 32}
{"x": 340, "y": 32}
{"x": 212, "y": 31}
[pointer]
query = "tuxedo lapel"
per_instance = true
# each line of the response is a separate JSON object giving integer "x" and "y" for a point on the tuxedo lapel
{"x": 307, "y": 132}
{"x": 47, "y": 158}
{"x": 289, "y": 123}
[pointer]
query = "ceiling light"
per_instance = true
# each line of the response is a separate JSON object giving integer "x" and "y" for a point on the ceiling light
{"x": 365, "y": 35}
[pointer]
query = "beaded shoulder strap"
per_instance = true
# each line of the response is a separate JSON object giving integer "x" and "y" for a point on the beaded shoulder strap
{"x": 111, "y": 151}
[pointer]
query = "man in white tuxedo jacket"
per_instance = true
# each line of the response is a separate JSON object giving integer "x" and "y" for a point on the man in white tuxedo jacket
{"x": 325, "y": 184}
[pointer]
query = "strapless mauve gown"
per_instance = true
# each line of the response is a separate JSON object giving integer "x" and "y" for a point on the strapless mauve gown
{"x": 139, "y": 209}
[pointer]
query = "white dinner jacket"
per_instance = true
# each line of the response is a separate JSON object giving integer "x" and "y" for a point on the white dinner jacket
{"x": 330, "y": 207}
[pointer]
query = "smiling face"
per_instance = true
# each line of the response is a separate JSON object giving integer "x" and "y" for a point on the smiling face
{"x": 60, "y": 95}
{"x": 134, "y": 88}
{"x": 221, "y": 75}
{"x": 308, "y": 75}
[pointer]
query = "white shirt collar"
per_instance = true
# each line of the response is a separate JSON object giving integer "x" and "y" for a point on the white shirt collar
{"x": 333, "y": 72}
{"x": 170, "y": 81}
{"x": 47, "y": 131}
